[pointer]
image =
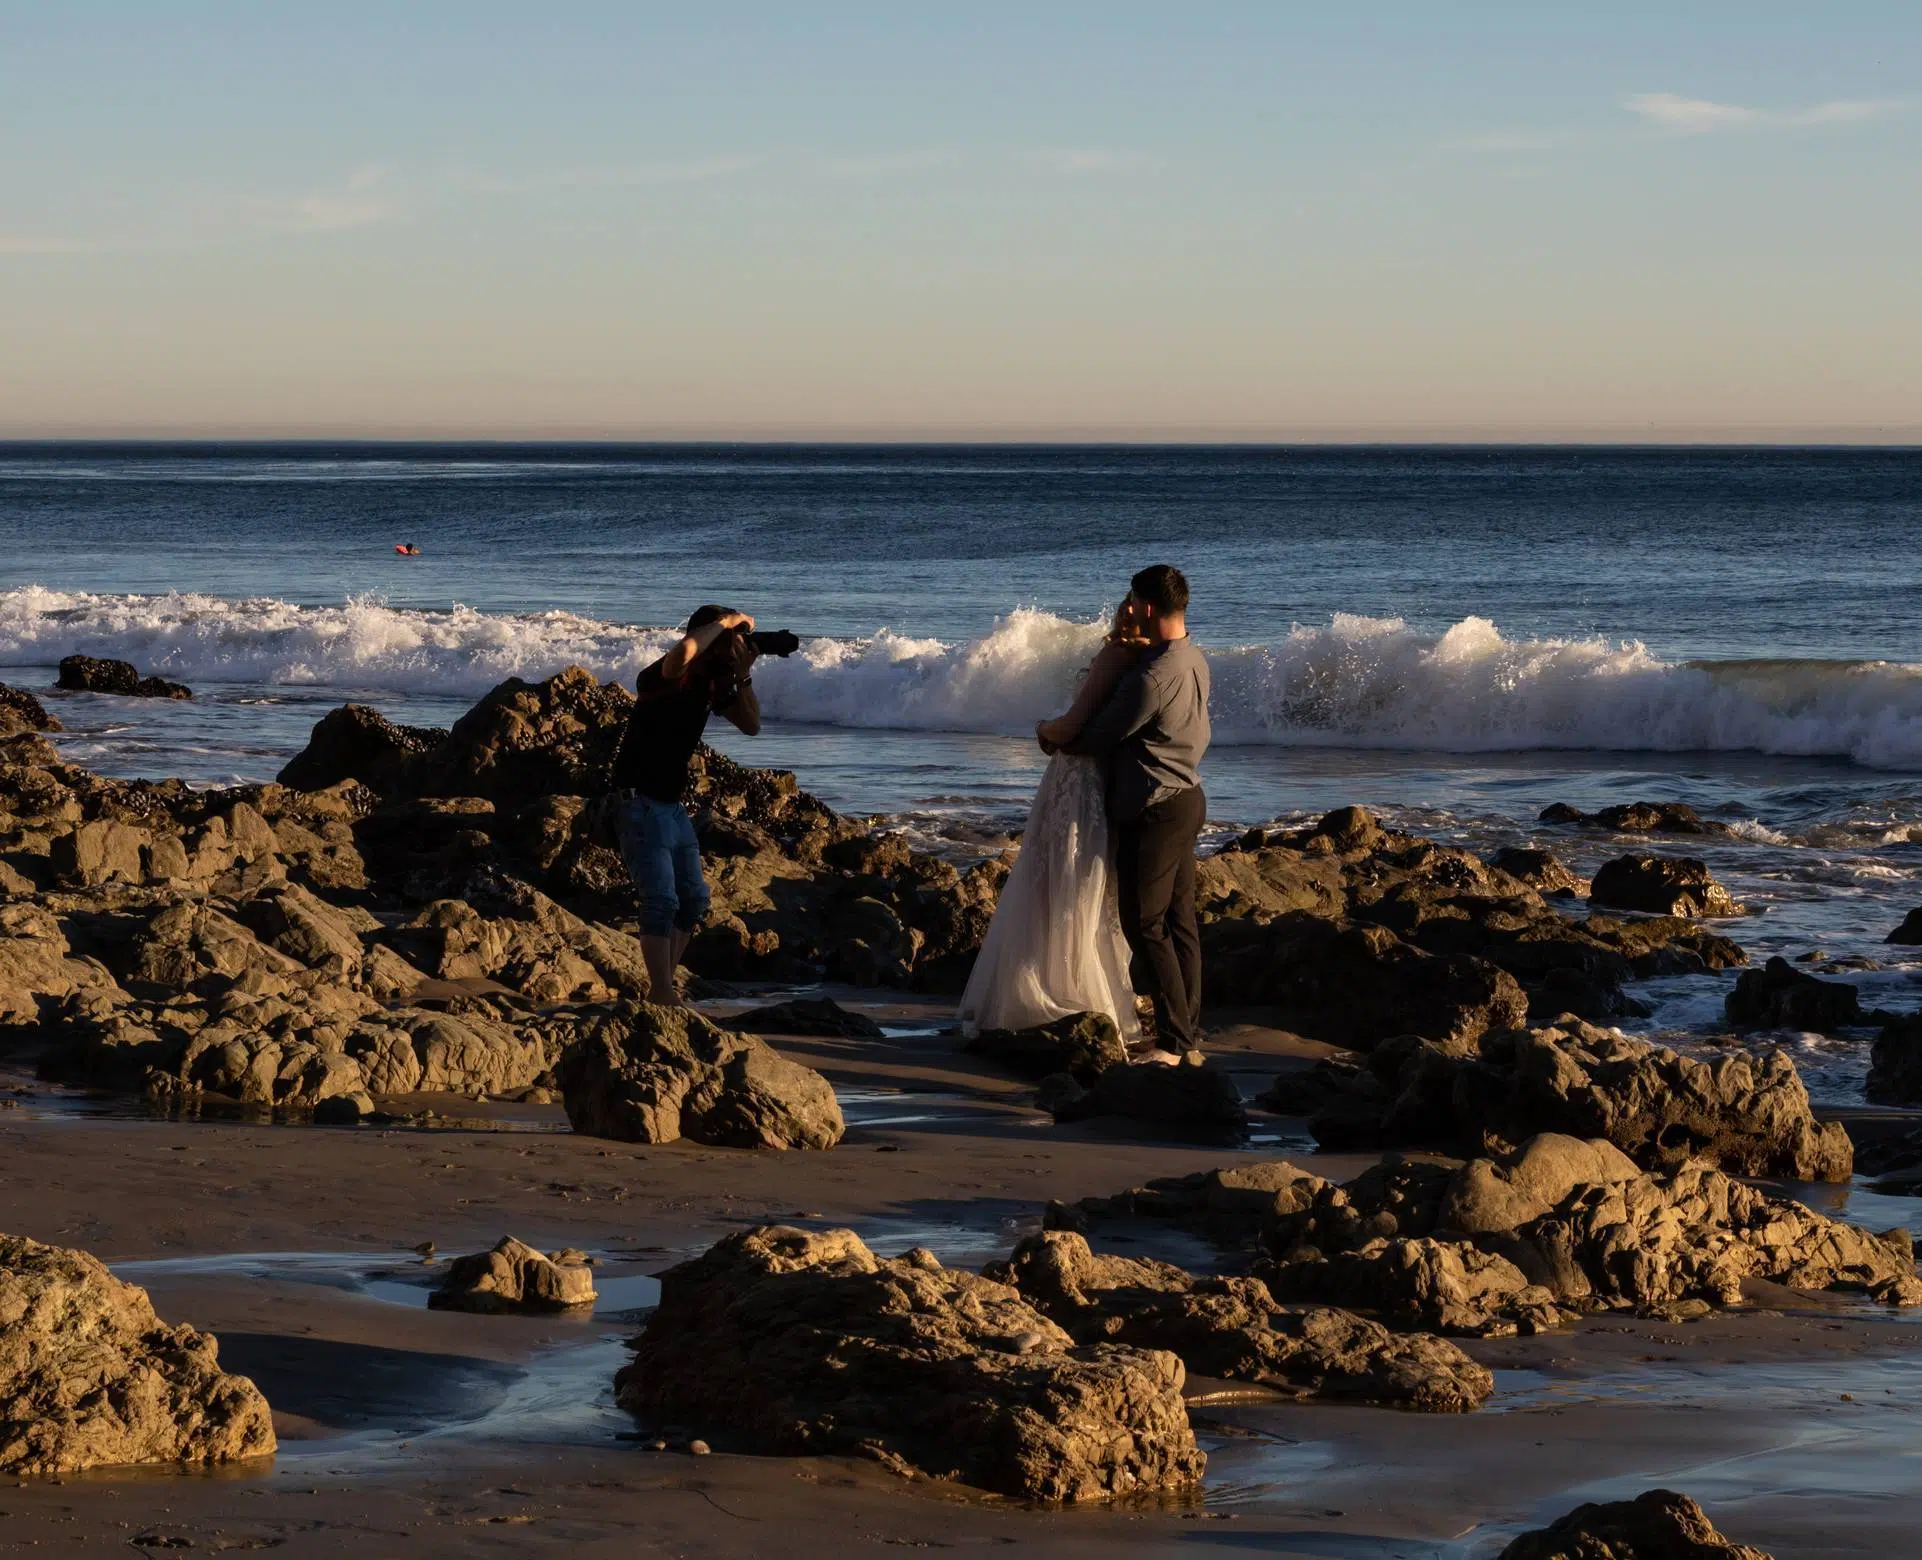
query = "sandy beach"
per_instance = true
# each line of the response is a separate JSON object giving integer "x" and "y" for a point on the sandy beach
{"x": 417, "y": 1432}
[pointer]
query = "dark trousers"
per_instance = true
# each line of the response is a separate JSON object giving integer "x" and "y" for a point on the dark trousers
{"x": 1155, "y": 882}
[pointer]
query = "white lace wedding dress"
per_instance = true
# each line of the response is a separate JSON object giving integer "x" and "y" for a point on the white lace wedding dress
{"x": 1055, "y": 945}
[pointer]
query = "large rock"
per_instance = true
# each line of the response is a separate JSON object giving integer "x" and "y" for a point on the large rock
{"x": 89, "y": 674}
{"x": 1083, "y": 1045}
{"x": 22, "y": 713}
{"x": 782, "y": 1341}
{"x": 513, "y": 1277}
{"x": 1541, "y": 870}
{"x": 1750, "y": 1115}
{"x": 1563, "y": 1226}
{"x": 1779, "y": 996}
{"x": 1909, "y": 933}
{"x": 1895, "y": 1062}
{"x": 1385, "y": 898}
{"x": 91, "y": 1378}
{"x": 1637, "y": 818}
{"x": 527, "y": 740}
{"x": 641, "y": 1073}
{"x": 1191, "y": 1099}
{"x": 1356, "y": 985}
{"x": 1661, "y": 885}
{"x": 1655, "y": 1525}
{"x": 356, "y": 742}
{"x": 1232, "y": 1328}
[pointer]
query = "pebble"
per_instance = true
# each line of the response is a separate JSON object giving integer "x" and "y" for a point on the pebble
{"x": 698, "y": 1448}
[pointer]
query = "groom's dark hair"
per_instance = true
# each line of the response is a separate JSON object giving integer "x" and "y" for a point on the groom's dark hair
{"x": 1163, "y": 587}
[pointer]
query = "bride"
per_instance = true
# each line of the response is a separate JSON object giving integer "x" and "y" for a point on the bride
{"x": 1055, "y": 945}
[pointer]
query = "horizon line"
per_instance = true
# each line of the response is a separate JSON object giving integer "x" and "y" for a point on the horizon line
{"x": 1703, "y": 435}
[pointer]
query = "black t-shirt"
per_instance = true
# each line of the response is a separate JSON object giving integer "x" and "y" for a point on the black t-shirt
{"x": 666, "y": 728}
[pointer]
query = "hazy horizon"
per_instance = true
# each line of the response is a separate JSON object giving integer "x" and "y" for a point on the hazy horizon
{"x": 1235, "y": 223}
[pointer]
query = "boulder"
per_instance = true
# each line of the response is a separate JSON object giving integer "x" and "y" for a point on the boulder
{"x": 21, "y": 713}
{"x": 89, "y": 674}
{"x": 1082, "y": 1045}
{"x": 1541, "y": 870}
{"x": 809, "y": 1016}
{"x": 1750, "y": 1115}
{"x": 1191, "y": 1099}
{"x": 1909, "y": 933}
{"x": 1232, "y": 1328}
{"x": 788, "y": 1342}
{"x": 1655, "y": 1525}
{"x": 1661, "y": 885}
{"x": 1488, "y": 1195}
{"x": 641, "y": 1073}
{"x": 1895, "y": 1062}
{"x": 1637, "y": 818}
{"x": 527, "y": 740}
{"x": 1563, "y": 1226}
{"x": 1779, "y": 996}
{"x": 356, "y": 742}
{"x": 1356, "y": 985}
{"x": 514, "y": 1277}
{"x": 91, "y": 1378}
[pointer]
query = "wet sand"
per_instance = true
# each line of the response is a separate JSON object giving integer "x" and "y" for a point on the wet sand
{"x": 406, "y": 1431}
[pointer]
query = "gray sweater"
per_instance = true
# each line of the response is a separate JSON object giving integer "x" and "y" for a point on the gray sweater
{"x": 1153, "y": 730}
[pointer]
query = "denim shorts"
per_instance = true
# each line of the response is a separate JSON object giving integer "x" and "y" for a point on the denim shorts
{"x": 664, "y": 861}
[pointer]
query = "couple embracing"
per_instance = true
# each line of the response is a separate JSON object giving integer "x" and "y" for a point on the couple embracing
{"x": 1100, "y": 905}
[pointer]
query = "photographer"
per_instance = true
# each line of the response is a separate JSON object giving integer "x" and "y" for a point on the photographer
{"x": 710, "y": 670}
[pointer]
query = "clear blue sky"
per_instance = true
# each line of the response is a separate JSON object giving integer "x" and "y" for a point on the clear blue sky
{"x": 1237, "y": 220}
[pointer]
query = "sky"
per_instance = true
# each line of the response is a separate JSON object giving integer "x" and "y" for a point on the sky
{"x": 1039, "y": 220}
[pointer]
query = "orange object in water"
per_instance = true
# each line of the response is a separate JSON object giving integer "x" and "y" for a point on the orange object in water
{"x": 407, "y": 549}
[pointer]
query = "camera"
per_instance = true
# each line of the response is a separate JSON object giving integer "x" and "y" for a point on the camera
{"x": 774, "y": 641}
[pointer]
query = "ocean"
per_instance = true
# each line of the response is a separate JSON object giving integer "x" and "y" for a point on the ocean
{"x": 1456, "y": 637}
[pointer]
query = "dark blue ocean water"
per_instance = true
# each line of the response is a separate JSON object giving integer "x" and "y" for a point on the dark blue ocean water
{"x": 1695, "y": 552}
{"x": 1458, "y": 636}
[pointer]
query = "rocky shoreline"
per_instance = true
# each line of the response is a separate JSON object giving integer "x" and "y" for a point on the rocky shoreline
{"x": 411, "y": 912}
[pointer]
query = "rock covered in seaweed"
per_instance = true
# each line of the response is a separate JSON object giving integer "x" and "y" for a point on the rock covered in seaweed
{"x": 90, "y": 674}
{"x": 784, "y": 1341}
{"x": 91, "y": 1378}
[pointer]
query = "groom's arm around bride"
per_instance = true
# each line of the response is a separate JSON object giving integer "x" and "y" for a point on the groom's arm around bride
{"x": 1150, "y": 736}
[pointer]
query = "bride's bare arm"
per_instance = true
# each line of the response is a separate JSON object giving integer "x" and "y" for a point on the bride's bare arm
{"x": 1107, "y": 669}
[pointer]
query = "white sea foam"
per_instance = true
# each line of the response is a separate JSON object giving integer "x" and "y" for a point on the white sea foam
{"x": 1356, "y": 682}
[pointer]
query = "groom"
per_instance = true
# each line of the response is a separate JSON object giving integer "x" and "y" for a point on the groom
{"x": 1150, "y": 736}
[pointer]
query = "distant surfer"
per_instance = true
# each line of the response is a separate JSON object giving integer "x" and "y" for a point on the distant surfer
{"x": 407, "y": 549}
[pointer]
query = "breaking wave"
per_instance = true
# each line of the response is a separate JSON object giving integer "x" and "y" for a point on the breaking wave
{"x": 1355, "y": 682}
